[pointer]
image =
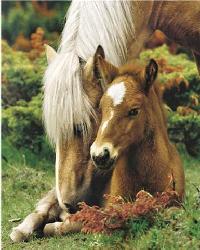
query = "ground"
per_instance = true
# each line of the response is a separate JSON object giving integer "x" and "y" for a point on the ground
{"x": 26, "y": 177}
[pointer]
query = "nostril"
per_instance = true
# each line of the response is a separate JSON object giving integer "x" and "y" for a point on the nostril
{"x": 102, "y": 158}
{"x": 93, "y": 157}
{"x": 67, "y": 205}
{"x": 71, "y": 208}
{"x": 106, "y": 153}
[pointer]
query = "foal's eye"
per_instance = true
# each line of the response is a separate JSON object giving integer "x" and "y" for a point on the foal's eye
{"x": 133, "y": 112}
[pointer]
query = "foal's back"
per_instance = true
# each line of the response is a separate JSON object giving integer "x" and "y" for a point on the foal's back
{"x": 175, "y": 163}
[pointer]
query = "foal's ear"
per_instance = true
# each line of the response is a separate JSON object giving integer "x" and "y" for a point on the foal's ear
{"x": 103, "y": 71}
{"x": 50, "y": 53}
{"x": 151, "y": 71}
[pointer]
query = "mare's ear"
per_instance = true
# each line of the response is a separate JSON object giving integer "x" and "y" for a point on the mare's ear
{"x": 103, "y": 71}
{"x": 150, "y": 74}
{"x": 50, "y": 53}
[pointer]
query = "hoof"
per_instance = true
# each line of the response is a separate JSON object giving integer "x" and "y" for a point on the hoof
{"x": 18, "y": 236}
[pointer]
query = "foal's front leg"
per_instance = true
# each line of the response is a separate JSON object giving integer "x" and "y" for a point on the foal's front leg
{"x": 46, "y": 210}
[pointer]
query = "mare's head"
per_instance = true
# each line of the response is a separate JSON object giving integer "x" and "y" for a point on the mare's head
{"x": 125, "y": 106}
{"x": 73, "y": 171}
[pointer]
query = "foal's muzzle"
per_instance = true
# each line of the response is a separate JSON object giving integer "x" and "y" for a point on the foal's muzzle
{"x": 103, "y": 160}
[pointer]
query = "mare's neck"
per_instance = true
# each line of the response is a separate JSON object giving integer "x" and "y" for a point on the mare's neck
{"x": 182, "y": 27}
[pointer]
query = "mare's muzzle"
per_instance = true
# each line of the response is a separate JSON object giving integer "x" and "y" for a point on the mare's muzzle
{"x": 72, "y": 208}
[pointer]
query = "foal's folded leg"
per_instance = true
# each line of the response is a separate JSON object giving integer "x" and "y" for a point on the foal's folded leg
{"x": 46, "y": 210}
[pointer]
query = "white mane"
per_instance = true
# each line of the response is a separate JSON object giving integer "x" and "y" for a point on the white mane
{"x": 88, "y": 24}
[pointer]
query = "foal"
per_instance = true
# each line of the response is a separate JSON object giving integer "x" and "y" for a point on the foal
{"x": 132, "y": 137}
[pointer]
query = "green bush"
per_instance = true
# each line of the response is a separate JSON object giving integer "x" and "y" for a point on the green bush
{"x": 22, "y": 99}
{"x": 21, "y": 17}
{"x": 21, "y": 78}
{"x": 185, "y": 129}
{"x": 182, "y": 83}
{"x": 22, "y": 123}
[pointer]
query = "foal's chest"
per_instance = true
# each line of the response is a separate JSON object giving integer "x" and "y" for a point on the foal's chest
{"x": 129, "y": 177}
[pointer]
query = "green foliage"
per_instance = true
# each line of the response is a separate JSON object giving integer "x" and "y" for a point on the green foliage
{"x": 185, "y": 129}
{"x": 138, "y": 226}
{"x": 21, "y": 78}
{"x": 22, "y": 98}
{"x": 25, "y": 157}
{"x": 21, "y": 17}
{"x": 23, "y": 123}
{"x": 178, "y": 75}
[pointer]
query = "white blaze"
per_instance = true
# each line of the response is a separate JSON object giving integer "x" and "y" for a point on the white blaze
{"x": 105, "y": 124}
{"x": 117, "y": 93}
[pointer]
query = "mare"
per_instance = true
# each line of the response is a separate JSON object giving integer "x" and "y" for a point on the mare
{"x": 76, "y": 177}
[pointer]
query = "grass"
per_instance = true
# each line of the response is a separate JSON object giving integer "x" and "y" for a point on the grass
{"x": 26, "y": 177}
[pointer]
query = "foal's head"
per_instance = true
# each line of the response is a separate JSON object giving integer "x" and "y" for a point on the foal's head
{"x": 124, "y": 108}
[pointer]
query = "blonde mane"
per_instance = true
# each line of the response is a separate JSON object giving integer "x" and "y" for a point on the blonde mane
{"x": 88, "y": 24}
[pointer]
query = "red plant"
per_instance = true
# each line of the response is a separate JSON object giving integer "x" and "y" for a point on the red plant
{"x": 104, "y": 220}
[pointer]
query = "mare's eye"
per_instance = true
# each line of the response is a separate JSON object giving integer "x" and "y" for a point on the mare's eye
{"x": 78, "y": 130}
{"x": 133, "y": 112}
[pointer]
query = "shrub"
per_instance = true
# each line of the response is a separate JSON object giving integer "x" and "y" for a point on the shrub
{"x": 21, "y": 78}
{"x": 22, "y": 123}
{"x": 185, "y": 129}
{"x": 22, "y": 98}
{"x": 23, "y": 17}
{"x": 180, "y": 82}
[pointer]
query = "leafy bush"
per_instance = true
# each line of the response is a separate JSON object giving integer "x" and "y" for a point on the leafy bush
{"x": 180, "y": 82}
{"x": 185, "y": 129}
{"x": 21, "y": 78}
{"x": 22, "y": 98}
{"x": 22, "y": 123}
{"x": 24, "y": 17}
